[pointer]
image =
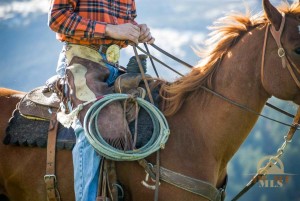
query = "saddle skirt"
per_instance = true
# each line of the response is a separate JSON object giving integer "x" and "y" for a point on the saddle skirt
{"x": 30, "y": 121}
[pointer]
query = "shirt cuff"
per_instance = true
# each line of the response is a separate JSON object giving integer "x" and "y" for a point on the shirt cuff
{"x": 99, "y": 31}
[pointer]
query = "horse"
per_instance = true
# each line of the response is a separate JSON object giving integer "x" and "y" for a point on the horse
{"x": 206, "y": 131}
{"x": 23, "y": 169}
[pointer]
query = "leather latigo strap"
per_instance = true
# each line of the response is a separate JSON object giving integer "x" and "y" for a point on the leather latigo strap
{"x": 50, "y": 177}
{"x": 198, "y": 187}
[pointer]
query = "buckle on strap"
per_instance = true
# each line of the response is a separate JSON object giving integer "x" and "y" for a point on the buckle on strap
{"x": 51, "y": 187}
{"x": 48, "y": 177}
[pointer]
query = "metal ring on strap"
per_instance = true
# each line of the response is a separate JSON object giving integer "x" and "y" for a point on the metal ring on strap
{"x": 159, "y": 137}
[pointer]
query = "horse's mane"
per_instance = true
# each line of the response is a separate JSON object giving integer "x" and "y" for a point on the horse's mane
{"x": 5, "y": 92}
{"x": 226, "y": 31}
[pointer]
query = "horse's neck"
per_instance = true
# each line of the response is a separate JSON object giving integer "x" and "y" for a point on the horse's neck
{"x": 205, "y": 136}
{"x": 239, "y": 79}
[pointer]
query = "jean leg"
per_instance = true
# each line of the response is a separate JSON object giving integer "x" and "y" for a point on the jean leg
{"x": 61, "y": 63}
{"x": 113, "y": 72}
{"x": 86, "y": 167}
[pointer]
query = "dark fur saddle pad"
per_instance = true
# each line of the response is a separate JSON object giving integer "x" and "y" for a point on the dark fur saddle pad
{"x": 144, "y": 128}
{"x": 27, "y": 132}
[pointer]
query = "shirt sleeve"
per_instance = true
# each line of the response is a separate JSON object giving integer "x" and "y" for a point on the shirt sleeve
{"x": 62, "y": 19}
{"x": 133, "y": 13}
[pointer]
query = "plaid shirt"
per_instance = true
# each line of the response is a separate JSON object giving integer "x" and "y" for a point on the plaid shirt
{"x": 84, "y": 21}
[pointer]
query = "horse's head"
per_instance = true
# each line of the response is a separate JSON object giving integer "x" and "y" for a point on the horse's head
{"x": 281, "y": 63}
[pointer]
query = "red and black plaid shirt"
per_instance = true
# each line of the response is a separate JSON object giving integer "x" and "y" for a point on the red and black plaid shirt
{"x": 84, "y": 21}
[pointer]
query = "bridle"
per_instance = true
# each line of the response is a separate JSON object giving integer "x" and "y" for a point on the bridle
{"x": 292, "y": 68}
{"x": 286, "y": 61}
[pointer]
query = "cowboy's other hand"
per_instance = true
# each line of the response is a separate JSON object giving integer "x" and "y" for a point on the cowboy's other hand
{"x": 145, "y": 34}
{"x": 126, "y": 31}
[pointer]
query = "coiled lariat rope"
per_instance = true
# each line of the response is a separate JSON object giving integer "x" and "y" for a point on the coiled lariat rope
{"x": 158, "y": 140}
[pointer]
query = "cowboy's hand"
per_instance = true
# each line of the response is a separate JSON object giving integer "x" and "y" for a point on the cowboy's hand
{"x": 145, "y": 34}
{"x": 126, "y": 31}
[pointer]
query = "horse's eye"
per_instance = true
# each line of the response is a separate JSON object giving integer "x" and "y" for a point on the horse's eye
{"x": 297, "y": 50}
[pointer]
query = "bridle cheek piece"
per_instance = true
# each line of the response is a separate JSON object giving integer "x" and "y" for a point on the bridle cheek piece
{"x": 286, "y": 61}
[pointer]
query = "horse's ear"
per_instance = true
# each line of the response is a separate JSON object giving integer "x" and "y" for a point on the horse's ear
{"x": 272, "y": 14}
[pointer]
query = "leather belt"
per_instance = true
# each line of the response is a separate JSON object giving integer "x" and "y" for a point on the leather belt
{"x": 100, "y": 48}
{"x": 111, "y": 52}
{"x": 103, "y": 49}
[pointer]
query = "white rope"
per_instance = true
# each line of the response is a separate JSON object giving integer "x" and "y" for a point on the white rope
{"x": 158, "y": 140}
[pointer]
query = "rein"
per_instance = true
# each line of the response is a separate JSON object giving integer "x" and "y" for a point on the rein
{"x": 286, "y": 63}
{"x": 243, "y": 107}
{"x": 158, "y": 173}
{"x": 264, "y": 171}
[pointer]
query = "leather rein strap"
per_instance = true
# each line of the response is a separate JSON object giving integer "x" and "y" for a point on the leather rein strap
{"x": 257, "y": 177}
{"x": 217, "y": 94}
{"x": 50, "y": 177}
{"x": 152, "y": 101}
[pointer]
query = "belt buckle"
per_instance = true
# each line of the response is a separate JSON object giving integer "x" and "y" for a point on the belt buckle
{"x": 113, "y": 53}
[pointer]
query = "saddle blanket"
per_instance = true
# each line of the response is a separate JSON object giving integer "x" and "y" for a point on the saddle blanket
{"x": 26, "y": 132}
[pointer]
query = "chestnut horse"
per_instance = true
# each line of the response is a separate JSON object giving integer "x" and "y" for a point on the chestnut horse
{"x": 22, "y": 169}
{"x": 206, "y": 131}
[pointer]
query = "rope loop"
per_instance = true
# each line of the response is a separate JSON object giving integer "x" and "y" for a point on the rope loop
{"x": 158, "y": 140}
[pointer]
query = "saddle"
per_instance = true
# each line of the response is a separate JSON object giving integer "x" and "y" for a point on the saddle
{"x": 30, "y": 121}
{"x": 22, "y": 131}
{"x": 39, "y": 104}
{"x": 29, "y": 125}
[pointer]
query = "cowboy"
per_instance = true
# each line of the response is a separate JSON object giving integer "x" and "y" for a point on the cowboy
{"x": 92, "y": 32}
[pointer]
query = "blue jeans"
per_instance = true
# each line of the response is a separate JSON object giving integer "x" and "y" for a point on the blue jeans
{"x": 113, "y": 72}
{"x": 86, "y": 164}
{"x": 86, "y": 161}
